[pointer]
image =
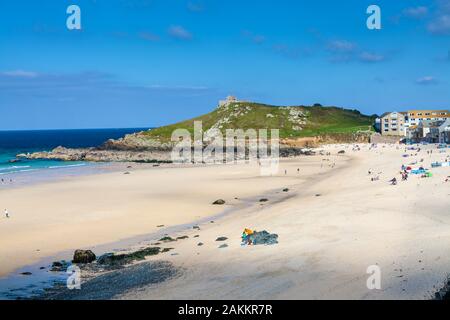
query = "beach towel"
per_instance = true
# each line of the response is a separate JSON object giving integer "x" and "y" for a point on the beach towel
{"x": 418, "y": 171}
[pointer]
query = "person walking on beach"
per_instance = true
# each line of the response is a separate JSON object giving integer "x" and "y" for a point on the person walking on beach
{"x": 6, "y": 213}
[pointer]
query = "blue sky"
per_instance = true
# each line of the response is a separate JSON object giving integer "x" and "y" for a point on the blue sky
{"x": 147, "y": 63}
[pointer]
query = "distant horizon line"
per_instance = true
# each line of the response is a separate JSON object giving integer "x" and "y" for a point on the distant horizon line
{"x": 79, "y": 129}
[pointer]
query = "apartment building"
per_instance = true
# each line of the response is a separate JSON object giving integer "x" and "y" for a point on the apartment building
{"x": 393, "y": 123}
{"x": 444, "y": 132}
{"x": 400, "y": 123}
{"x": 416, "y": 116}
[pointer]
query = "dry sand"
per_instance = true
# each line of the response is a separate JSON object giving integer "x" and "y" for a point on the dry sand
{"x": 99, "y": 209}
{"x": 333, "y": 224}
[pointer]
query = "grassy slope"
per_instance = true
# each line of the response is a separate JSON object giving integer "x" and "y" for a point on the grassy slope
{"x": 246, "y": 115}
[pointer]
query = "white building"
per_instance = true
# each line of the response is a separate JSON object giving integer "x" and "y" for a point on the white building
{"x": 444, "y": 132}
{"x": 230, "y": 99}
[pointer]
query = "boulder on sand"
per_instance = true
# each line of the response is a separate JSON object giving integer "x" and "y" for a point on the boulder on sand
{"x": 219, "y": 202}
{"x": 59, "y": 266}
{"x": 83, "y": 256}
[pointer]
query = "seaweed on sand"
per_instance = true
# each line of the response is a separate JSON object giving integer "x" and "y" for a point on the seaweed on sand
{"x": 117, "y": 260}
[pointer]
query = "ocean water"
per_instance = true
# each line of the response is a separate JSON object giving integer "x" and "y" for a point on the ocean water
{"x": 15, "y": 142}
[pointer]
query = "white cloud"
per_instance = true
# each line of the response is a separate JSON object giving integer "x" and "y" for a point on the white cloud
{"x": 441, "y": 25}
{"x": 416, "y": 12}
{"x": 427, "y": 80}
{"x": 346, "y": 51}
{"x": 195, "y": 7}
{"x": 149, "y": 36}
{"x": 20, "y": 74}
{"x": 341, "y": 46}
{"x": 178, "y": 32}
{"x": 371, "y": 57}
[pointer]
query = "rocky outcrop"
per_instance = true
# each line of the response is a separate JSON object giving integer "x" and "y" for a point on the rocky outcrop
{"x": 131, "y": 148}
{"x": 135, "y": 142}
{"x": 98, "y": 155}
{"x": 155, "y": 155}
{"x": 83, "y": 256}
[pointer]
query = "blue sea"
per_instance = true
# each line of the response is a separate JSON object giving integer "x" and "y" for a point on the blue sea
{"x": 15, "y": 142}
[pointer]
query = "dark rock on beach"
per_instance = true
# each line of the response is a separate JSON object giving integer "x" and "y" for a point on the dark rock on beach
{"x": 167, "y": 239}
{"x": 223, "y": 246}
{"x": 219, "y": 202}
{"x": 111, "y": 284}
{"x": 59, "y": 266}
{"x": 222, "y": 239}
{"x": 118, "y": 260}
{"x": 83, "y": 256}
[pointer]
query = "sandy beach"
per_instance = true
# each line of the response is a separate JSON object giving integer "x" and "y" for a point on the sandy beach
{"x": 333, "y": 223}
